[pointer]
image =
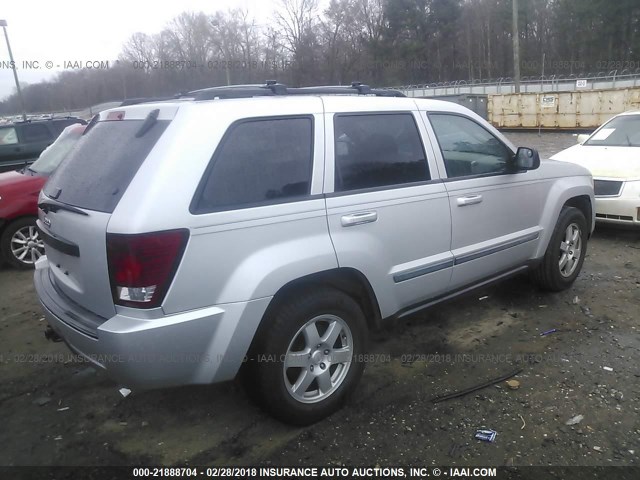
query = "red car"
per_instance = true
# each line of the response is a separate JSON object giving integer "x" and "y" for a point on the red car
{"x": 20, "y": 243}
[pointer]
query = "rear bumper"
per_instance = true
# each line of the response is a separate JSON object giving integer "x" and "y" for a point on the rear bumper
{"x": 196, "y": 347}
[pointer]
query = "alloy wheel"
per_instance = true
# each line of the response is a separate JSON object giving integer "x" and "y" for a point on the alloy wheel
{"x": 318, "y": 359}
{"x": 26, "y": 245}
{"x": 570, "y": 250}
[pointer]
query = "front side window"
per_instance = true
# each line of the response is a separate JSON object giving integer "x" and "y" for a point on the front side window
{"x": 467, "y": 148}
{"x": 377, "y": 150}
{"x": 36, "y": 133}
{"x": 259, "y": 161}
{"x": 8, "y": 136}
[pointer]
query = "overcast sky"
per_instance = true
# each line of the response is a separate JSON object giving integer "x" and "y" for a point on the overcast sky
{"x": 81, "y": 30}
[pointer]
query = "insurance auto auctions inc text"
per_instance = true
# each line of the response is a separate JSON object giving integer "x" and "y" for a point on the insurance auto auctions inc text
{"x": 48, "y": 65}
{"x": 373, "y": 472}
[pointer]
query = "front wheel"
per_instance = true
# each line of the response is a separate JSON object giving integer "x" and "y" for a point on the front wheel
{"x": 306, "y": 362}
{"x": 565, "y": 253}
{"x": 21, "y": 244}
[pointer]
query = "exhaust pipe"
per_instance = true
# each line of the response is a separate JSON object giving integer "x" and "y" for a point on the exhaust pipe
{"x": 50, "y": 334}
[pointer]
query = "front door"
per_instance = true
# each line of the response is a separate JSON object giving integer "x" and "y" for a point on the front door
{"x": 495, "y": 214}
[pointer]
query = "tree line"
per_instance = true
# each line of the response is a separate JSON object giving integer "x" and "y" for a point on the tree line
{"x": 380, "y": 42}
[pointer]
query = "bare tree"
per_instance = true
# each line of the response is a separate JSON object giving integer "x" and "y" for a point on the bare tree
{"x": 376, "y": 41}
{"x": 295, "y": 18}
{"x": 140, "y": 47}
{"x": 297, "y": 22}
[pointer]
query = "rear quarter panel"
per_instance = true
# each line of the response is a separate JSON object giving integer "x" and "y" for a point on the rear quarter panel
{"x": 234, "y": 255}
{"x": 246, "y": 260}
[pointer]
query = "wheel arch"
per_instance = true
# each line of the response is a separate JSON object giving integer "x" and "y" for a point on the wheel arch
{"x": 6, "y": 222}
{"x": 549, "y": 274}
{"x": 347, "y": 280}
{"x": 582, "y": 203}
{"x": 566, "y": 192}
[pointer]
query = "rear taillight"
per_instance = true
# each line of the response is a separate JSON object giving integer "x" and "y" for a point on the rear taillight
{"x": 141, "y": 267}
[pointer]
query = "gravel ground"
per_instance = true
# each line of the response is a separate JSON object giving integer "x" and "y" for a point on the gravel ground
{"x": 55, "y": 410}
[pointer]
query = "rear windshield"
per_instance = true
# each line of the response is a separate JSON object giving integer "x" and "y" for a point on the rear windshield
{"x": 98, "y": 171}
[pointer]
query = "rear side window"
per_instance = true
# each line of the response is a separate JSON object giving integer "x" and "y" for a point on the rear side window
{"x": 35, "y": 133}
{"x": 377, "y": 150}
{"x": 8, "y": 136}
{"x": 59, "y": 125}
{"x": 99, "y": 169}
{"x": 267, "y": 160}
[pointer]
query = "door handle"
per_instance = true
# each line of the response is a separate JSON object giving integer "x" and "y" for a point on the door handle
{"x": 358, "y": 218}
{"x": 469, "y": 200}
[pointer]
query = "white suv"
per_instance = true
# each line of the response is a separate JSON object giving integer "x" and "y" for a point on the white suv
{"x": 273, "y": 227}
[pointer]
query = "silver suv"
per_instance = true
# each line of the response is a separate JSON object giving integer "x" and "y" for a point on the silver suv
{"x": 266, "y": 229}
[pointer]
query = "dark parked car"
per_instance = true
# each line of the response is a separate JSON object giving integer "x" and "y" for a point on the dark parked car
{"x": 22, "y": 142}
{"x": 20, "y": 243}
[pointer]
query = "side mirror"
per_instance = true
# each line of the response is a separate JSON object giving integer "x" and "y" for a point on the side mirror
{"x": 583, "y": 137}
{"x": 526, "y": 159}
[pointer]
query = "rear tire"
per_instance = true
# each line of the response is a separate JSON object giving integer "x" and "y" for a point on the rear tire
{"x": 307, "y": 359}
{"x": 21, "y": 244}
{"x": 565, "y": 253}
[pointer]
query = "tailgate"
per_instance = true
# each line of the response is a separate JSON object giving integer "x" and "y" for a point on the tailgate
{"x": 75, "y": 244}
{"x": 78, "y": 200}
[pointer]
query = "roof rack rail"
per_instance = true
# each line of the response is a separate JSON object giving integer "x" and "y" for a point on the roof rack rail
{"x": 273, "y": 88}
{"x": 48, "y": 119}
{"x": 137, "y": 101}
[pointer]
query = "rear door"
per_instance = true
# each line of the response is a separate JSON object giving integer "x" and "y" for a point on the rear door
{"x": 34, "y": 138}
{"x": 79, "y": 198}
{"x": 388, "y": 211}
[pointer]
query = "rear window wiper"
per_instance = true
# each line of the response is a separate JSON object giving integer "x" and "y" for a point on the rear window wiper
{"x": 149, "y": 122}
{"x": 47, "y": 207}
{"x": 92, "y": 123}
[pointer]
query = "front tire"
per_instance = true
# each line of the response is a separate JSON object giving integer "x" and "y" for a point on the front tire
{"x": 21, "y": 244}
{"x": 565, "y": 253}
{"x": 306, "y": 361}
